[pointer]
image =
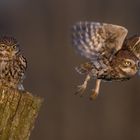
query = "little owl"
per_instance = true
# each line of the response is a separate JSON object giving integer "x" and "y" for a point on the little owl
{"x": 112, "y": 57}
{"x": 12, "y": 63}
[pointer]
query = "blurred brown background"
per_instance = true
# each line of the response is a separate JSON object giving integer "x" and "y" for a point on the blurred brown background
{"x": 43, "y": 28}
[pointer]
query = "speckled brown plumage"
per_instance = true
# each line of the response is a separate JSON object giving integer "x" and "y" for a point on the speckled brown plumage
{"x": 111, "y": 56}
{"x": 12, "y": 63}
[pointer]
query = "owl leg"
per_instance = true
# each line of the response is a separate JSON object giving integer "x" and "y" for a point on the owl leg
{"x": 81, "y": 88}
{"x": 96, "y": 89}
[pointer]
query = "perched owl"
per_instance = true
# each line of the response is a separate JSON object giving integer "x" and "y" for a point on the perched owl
{"x": 12, "y": 63}
{"x": 111, "y": 57}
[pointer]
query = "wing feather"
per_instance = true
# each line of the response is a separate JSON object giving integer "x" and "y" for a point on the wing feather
{"x": 94, "y": 39}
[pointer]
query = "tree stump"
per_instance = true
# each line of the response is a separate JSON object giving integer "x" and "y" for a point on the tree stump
{"x": 18, "y": 111}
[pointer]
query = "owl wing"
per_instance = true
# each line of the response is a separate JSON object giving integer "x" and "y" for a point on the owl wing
{"x": 93, "y": 39}
{"x": 133, "y": 44}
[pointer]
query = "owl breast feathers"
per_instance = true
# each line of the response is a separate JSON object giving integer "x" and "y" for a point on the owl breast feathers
{"x": 12, "y": 63}
{"x": 111, "y": 56}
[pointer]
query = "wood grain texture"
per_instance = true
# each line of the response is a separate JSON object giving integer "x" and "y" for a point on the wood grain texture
{"x": 18, "y": 111}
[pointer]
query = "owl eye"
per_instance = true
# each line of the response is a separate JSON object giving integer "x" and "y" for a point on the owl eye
{"x": 14, "y": 47}
{"x": 127, "y": 63}
{"x": 2, "y": 46}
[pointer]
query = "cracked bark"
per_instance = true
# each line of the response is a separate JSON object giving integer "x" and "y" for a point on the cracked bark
{"x": 18, "y": 111}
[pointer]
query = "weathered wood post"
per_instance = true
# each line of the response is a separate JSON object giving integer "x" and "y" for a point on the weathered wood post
{"x": 18, "y": 111}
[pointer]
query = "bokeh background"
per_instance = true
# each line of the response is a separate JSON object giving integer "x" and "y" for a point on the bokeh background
{"x": 43, "y": 28}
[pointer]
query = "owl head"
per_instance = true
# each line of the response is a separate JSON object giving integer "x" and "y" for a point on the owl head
{"x": 8, "y": 46}
{"x": 126, "y": 63}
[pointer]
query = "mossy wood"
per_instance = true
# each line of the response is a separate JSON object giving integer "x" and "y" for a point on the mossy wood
{"x": 18, "y": 111}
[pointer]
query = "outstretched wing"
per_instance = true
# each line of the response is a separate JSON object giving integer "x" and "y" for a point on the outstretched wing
{"x": 93, "y": 39}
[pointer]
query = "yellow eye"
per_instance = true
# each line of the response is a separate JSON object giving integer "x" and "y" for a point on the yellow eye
{"x": 14, "y": 47}
{"x": 2, "y": 46}
{"x": 127, "y": 63}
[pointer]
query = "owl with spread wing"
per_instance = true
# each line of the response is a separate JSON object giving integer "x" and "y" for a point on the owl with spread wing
{"x": 111, "y": 56}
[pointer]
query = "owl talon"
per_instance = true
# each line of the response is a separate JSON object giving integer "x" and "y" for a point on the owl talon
{"x": 20, "y": 87}
{"x": 80, "y": 90}
{"x": 94, "y": 95}
{"x": 95, "y": 91}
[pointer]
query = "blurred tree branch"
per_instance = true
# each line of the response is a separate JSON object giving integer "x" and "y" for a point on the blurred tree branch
{"x": 18, "y": 111}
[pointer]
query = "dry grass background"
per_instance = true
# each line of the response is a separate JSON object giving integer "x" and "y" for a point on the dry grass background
{"x": 43, "y": 28}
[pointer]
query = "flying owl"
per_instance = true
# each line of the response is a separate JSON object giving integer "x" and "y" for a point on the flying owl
{"x": 111, "y": 56}
{"x": 12, "y": 63}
